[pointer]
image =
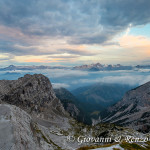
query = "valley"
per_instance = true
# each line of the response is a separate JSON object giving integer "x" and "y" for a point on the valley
{"x": 36, "y": 119}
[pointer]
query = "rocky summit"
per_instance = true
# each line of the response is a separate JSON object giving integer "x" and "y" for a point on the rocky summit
{"x": 133, "y": 110}
{"x": 32, "y": 93}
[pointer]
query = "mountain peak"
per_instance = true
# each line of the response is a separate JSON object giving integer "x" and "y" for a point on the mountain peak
{"x": 11, "y": 67}
{"x": 33, "y": 93}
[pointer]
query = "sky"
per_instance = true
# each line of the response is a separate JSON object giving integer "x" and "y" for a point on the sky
{"x": 74, "y": 32}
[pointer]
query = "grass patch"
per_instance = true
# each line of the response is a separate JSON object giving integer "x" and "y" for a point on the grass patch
{"x": 148, "y": 145}
{"x": 95, "y": 113}
{"x": 132, "y": 146}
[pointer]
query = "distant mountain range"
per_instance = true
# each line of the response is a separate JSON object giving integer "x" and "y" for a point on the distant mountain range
{"x": 91, "y": 67}
{"x": 98, "y": 67}
{"x": 12, "y": 67}
{"x": 101, "y": 67}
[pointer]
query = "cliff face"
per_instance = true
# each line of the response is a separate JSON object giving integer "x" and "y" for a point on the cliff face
{"x": 32, "y": 93}
{"x": 69, "y": 101}
{"x": 133, "y": 110}
{"x": 31, "y": 116}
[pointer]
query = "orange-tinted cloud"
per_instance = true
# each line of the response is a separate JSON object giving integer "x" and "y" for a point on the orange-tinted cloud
{"x": 138, "y": 44}
{"x": 34, "y": 60}
{"x": 134, "y": 41}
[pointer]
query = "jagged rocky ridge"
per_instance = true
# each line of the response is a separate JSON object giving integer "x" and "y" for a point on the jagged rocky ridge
{"x": 31, "y": 117}
{"x": 133, "y": 110}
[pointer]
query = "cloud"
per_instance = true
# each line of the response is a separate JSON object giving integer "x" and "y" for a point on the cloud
{"x": 137, "y": 47}
{"x": 87, "y": 21}
{"x": 63, "y": 56}
{"x": 134, "y": 41}
{"x": 15, "y": 42}
{"x": 43, "y": 28}
{"x": 125, "y": 13}
{"x": 77, "y": 52}
{"x": 72, "y": 79}
{"x": 130, "y": 80}
{"x": 124, "y": 78}
{"x": 5, "y": 57}
{"x": 59, "y": 85}
{"x": 66, "y": 73}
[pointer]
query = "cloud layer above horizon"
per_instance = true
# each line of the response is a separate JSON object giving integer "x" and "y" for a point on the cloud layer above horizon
{"x": 64, "y": 31}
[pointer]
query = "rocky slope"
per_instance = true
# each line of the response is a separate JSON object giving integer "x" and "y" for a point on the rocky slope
{"x": 39, "y": 121}
{"x": 73, "y": 106}
{"x": 133, "y": 110}
{"x": 15, "y": 129}
{"x": 68, "y": 100}
{"x": 20, "y": 131}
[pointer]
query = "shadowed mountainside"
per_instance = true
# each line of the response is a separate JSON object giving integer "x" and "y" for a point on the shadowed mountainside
{"x": 97, "y": 97}
{"x": 133, "y": 110}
